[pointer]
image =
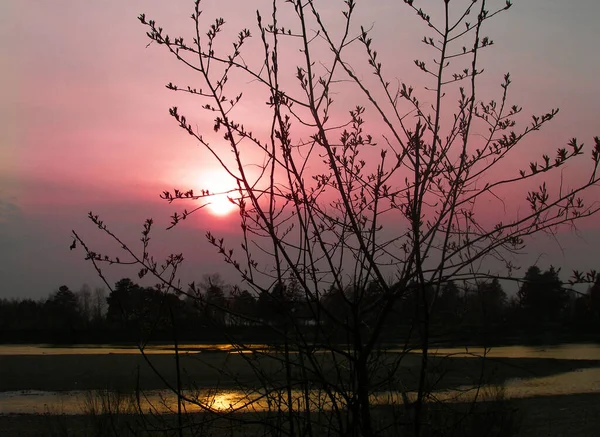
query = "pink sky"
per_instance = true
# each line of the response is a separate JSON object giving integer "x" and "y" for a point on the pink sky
{"x": 84, "y": 120}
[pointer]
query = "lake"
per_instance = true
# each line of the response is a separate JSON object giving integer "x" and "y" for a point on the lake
{"x": 585, "y": 380}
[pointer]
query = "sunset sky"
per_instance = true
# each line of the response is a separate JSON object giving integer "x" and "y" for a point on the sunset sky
{"x": 84, "y": 122}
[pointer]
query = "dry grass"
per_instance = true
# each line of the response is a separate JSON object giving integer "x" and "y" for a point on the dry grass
{"x": 553, "y": 416}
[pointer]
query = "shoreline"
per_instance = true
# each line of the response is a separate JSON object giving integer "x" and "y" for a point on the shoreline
{"x": 555, "y": 415}
{"x": 551, "y": 416}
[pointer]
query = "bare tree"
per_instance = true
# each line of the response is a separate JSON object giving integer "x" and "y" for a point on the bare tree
{"x": 84, "y": 302}
{"x": 373, "y": 212}
{"x": 98, "y": 304}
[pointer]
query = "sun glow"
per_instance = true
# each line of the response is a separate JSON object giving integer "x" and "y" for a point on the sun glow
{"x": 220, "y": 205}
{"x": 221, "y": 184}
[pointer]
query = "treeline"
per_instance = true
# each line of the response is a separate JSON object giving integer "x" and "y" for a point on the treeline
{"x": 59, "y": 318}
{"x": 467, "y": 312}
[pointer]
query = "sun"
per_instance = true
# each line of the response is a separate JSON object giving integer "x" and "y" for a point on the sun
{"x": 218, "y": 182}
{"x": 220, "y": 205}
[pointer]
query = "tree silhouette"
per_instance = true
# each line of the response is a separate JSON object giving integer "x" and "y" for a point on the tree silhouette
{"x": 493, "y": 299}
{"x": 450, "y": 303}
{"x": 542, "y": 295}
{"x": 125, "y": 303}
{"x": 213, "y": 300}
{"x": 243, "y": 307}
{"x": 63, "y": 309}
{"x": 593, "y": 296}
{"x": 361, "y": 187}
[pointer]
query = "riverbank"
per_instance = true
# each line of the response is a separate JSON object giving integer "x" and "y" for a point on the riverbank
{"x": 549, "y": 416}
{"x": 542, "y": 412}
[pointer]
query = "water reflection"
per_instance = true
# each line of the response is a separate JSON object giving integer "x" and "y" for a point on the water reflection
{"x": 75, "y": 402}
{"x": 561, "y": 351}
{"x": 105, "y": 349}
{"x": 162, "y": 401}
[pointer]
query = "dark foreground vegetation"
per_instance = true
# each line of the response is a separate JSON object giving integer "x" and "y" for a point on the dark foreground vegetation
{"x": 544, "y": 311}
{"x": 555, "y": 416}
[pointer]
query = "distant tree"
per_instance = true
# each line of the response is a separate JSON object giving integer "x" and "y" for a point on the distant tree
{"x": 143, "y": 310}
{"x": 243, "y": 307}
{"x": 335, "y": 307}
{"x": 415, "y": 303}
{"x": 213, "y": 299}
{"x": 268, "y": 307}
{"x": 593, "y": 296}
{"x": 98, "y": 304}
{"x": 493, "y": 300}
{"x": 449, "y": 304}
{"x": 84, "y": 301}
{"x": 284, "y": 303}
{"x": 294, "y": 292}
{"x": 21, "y": 314}
{"x": 191, "y": 318}
{"x": 160, "y": 310}
{"x": 62, "y": 309}
{"x": 472, "y": 306}
{"x": 125, "y": 303}
{"x": 542, "y": 296}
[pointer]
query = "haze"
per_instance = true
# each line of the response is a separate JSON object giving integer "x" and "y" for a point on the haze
{"x": 84, "y": 125}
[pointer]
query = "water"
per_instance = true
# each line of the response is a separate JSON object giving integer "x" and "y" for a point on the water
{"x": 47, "y": 349}
{"x": 562, "y": 351}
{"x": 559, "y": 352}
{"x": 75, "y": 402}
{"x": 78, "y": 401}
